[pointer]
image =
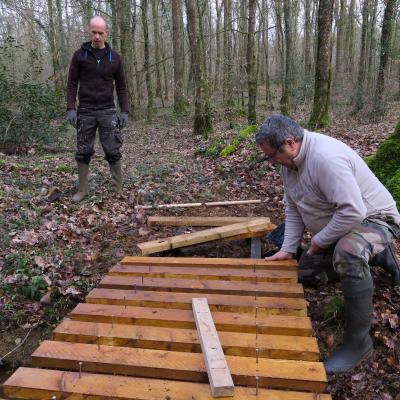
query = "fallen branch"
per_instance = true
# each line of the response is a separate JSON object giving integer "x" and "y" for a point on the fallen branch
{"x": 187, "y": 205}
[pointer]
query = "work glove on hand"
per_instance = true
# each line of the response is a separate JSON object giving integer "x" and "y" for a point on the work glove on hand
{"x": 123, "y": 120}
{"x": 71, "y": 117}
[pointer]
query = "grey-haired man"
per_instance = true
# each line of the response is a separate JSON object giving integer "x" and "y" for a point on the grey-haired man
{"x": 351, "y": 216}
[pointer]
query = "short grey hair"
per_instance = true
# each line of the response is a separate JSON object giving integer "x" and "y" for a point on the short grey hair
{"x": 276, "y": 129}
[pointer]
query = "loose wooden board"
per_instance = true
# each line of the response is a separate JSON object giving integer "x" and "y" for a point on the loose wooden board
{"x": 196, "y": 221}
{"x": 207, "y": 235}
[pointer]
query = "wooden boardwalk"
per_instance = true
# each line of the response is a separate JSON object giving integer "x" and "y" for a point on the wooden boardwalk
{"x": 135, "y": 336}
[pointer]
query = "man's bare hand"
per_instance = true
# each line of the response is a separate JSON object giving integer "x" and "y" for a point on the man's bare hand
{"x": 314, "y": 248}
{"x": 280, "y": 255}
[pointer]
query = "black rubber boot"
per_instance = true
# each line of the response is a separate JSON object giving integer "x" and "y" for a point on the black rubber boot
{"x": 357, "y": 342}
{"x": 388, "y": 261}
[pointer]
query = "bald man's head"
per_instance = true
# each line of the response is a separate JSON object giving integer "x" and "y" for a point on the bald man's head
{"x": 98, "y": 31}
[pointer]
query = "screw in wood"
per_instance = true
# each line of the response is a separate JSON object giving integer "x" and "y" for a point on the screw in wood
{"x": 54, "y": 398}
{"x": 257, "y": 382}
{"x": 125, "y": 301}
{"x": 112, "y": 321}
{"x": 142, "y": 280}
{"x": 257, "y": 351}
{"x": 256, "y": 330}
{"x": 98, "y": 343}
{"x": 80, "y": 369}
{"x": 256, "y": 311}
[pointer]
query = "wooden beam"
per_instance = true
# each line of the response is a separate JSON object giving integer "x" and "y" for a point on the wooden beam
{"x": 227, "y": 274}
{"x": 189, "y": 205}
{"x": 171, "y": 339}
{"x": 196, "y": 221}
{"x": 279, "y": 374}
{"x": 267, "y": 289}
{"x": 38, "y": 384}
{"x": 230, "y": 322}
{"x": 207, "y": 235}
{"x": 183, "y": 301}
{"x": 217, "y": 368}
{"x": 201, "y": 262}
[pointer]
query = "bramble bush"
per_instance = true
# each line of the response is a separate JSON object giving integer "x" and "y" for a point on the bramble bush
{"x": 31, "y": 112}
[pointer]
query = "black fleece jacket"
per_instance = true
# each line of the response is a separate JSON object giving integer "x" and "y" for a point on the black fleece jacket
{"x": 96, "y": 80}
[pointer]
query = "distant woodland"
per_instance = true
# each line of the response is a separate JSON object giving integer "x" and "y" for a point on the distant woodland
{"x": 202, "y": 57}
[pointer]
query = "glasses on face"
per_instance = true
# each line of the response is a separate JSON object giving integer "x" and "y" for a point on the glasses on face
{"x": 272, "y": 156}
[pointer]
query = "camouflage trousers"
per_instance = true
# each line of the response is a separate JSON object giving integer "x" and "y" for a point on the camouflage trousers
{"x": 106, "y": 121}
{"x": 349, "y": 259}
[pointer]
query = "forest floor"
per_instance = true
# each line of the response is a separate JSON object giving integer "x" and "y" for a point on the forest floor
{"x": 53, "y": 252}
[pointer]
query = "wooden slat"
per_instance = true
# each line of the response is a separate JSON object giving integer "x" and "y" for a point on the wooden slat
{"x": 204, "y": 286}
{"x": 224, "y": 321}
{"x": 183, "y": 301}
{"x": 196, "y": 221}
{"x": 229, "y": 274}
{"x": 35, "y": 384}
{"x": 234, "y": 344}
{"x": 178, "y": 241}
{"x": 201, "y": 262}
{"x": 217, "y": 368}
{"x": 288, "y": 374}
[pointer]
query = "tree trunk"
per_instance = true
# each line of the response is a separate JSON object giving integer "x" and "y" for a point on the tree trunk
{"x": 228, "y": 59}
{"x": 136, "y": 96}
{"x": 202, "y": 124}
{"x": 307, "y": 40}
{"x": 279, "y": 42}
{"x": 287, "y": 87}
{"x": 87, "y": 8}
{"x": 387, "y": 28}
{"x": 156, "y": 33}
{"x": 339, "y": 37}
{"x": 320, "y": 113}
{"x": 58, "y": 81}
{"x": 350, "y": 39}
{"x": 265, "y": 41}
{"x": 146, "y": 64}
{"x": 251, "y": 65}
{"x": 217, "y": 80}
{"x": 126, "y": 49}
{"x": 359, "y": 90}
{"x": 372, "y": 48}
{"x": 180, "y": 102}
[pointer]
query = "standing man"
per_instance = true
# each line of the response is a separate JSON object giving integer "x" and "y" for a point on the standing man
{"x": 94, "y": 69}
{"x": 351, "y": 216}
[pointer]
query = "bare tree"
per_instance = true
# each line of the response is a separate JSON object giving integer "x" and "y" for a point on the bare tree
{"x": 320, "y": 112}
{"x": 251, "y": 65}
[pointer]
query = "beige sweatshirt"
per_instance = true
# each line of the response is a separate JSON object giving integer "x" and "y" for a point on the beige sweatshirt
{"x": 331, "y": 193}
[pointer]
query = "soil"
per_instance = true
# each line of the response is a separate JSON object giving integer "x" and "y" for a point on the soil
{"x": 73, "y": 246}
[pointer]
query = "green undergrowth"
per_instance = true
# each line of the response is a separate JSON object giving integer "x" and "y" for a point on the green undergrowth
{"x": 234, "y": 144}
{"x": 386, "y": 163}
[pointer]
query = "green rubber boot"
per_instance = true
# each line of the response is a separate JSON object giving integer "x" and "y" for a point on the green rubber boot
{"x": 83, "y": 172}
{"x": 357, "y": 342}
{"x": 116, "y": 173}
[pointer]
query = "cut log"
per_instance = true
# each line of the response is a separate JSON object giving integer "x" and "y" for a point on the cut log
{"x": 230, "y": 322}
{"x": 227, "y": 274}
{"x": 146, "y": 337}
{"x": 188, "y": 205}
{"x": 267, "y": 289}
{"x": 37, "y": 384}
{"x": 217, "y": 368}
{"x": 279, "y": 374}
{"x": 196, "y": 221}
{"x": 183, "y": 301}
{"x": 200, "y": 262}
{"x": 207, "y": 235}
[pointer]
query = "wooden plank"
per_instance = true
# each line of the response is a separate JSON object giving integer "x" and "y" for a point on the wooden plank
{"x": 201, "y": 262}
{"x": 35, "y": 384}
{"x": 196, "y": 221}
{"x": 183, "y": 301}
{"x": 227, "y": 274}
{"x": 224, "y": 321}
{"x": 279, "y": 374}
{"x": 217, "y": 368}
{"x": 146, "y": 337}
{"x": 174, "y": 242}
{"x": 268, "y": 289}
